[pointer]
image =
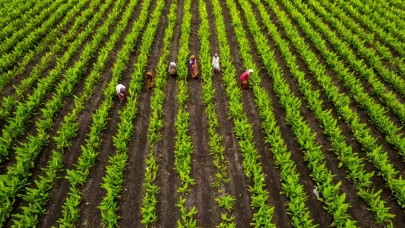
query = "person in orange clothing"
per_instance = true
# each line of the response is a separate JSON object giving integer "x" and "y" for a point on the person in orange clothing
{"x": 192, "y": 67}
{"x": 149, "y": 78}
{"x": 244, "y": 79}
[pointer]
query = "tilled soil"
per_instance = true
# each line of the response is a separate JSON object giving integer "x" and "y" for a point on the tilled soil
{"x": 202, "y": 195}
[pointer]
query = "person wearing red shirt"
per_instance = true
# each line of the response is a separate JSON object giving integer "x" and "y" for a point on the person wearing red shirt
{"x": 244, "y": 79}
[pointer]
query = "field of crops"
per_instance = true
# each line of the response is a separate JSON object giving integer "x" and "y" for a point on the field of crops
{"x": 316, "y": 141}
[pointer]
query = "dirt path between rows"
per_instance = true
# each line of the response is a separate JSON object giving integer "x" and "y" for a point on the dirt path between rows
{"x": 272, "y": 179}
{"x": 238, "y": 182}
{"x": 93, "y": 193}
{"x": 203, "y": 171}
{"x": 167, "y": 179}
{"x": 131, "y": 199}
{"x": 59, "y": 192}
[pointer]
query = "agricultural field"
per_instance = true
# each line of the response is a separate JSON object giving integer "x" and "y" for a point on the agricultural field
{"x": 316, "y": 141}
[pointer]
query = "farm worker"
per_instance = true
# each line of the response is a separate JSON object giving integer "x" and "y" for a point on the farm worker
{"x": 215, "y": 63}
{"x": 172, "y": 69}
{"x": 244, "y": 79}
{"x": 192, "y": 67}
{"x": 149, "y": 78}
{"x": 121, "y": 92}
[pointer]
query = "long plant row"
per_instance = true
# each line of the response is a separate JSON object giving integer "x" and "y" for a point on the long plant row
{"x": 375, "y": 154}
{"x": 367, "y": 53}
{"x": 7, "y": 75}
{"x": 18, "y": 16}
{"x": 251, "y": 160}
{"x": 12, "y": 37}
{"x": 349, "y": 159}
{"x": 366, "y": 36}
{"x": 112, "y": 181}
{"x": 376, "y": 112}
{"x": 78, "y": 176}
{"x": 398, "y": 4}
{"x": 391, "y": 7}
{"x": 330, "y": 192}
{"x": 395, "y": 27}
{"x": 52, "y": 35}
{"x": 9, "y": 102}
{"x": 25, "y": 110}
{"x": 217, "y": 150}
{"x": 374, "y": 9}
{"x": 27, "y": 153}
{"x": 37, "y": 196}
{"x": 183, "y": 147}
{"x": 369, "y": 23}
{"x": 19, "y": 49}
{"x": 149, "y": 200}
{"x": 10, "y": 11}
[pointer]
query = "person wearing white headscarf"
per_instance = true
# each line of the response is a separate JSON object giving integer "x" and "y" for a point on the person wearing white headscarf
{"x": 172, "y": 69}
{"x": 215, "y": 63}
{"x": 120, "y": 89}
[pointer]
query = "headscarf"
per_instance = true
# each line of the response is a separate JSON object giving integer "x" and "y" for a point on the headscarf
{"x": 150, "y": 74}
{"x": 250, "y": 71}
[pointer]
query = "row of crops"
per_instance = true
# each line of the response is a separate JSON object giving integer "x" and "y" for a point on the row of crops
{"x": 328, "y": 89}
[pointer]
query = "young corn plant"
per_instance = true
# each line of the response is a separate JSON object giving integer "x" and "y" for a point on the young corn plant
{"x": 28, "y": 152}
{"x": 16, "y": 14}
{"x": 149, "y": 201}
{"x": 369, "y": 23}
{"x": 113, "y": 180}
{"x": 208, "y": 92}
{"x": 375, "y": 154}
{"x": 312, "y": 152}
{"x": 375, "y": 111}
{"x": 367, "y": 53}
{"x": 368, "y": 37}
{"x": 183, "y": 145}
{"x": 24, "y": 110}
{"x": 77, "y": 177}
{"x": 348, "y": 158}
{"x": 38, "y": 197}
{"x": 251, "y": 163}
{"x": 20, "y": 48}
{"x": 36, "y": 72}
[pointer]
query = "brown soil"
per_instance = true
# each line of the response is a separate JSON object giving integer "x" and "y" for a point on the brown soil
{"x": 167, "y": 179}
{"x": 203, "y": 193}
{"x": 37, "y": 114}
{"x": 236, "y": 187}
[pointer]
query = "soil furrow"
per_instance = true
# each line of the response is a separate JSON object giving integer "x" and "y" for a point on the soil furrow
{"x": 31, "y": 127}
{"x": 131, "y": 198}
{"x": 378, "y": 181}
{"x": 9, "y": 89}
{"x": 92, "y": 191}
{"x": 331, "y": 159}
{"x": 167, "y": 180}
{"x": 59, "y": 192}
{"x": 363, "y": 115}
{"x": 272, "y": 179}
{"x": 242, "y": 210}
{"x": 203, "y": 171}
